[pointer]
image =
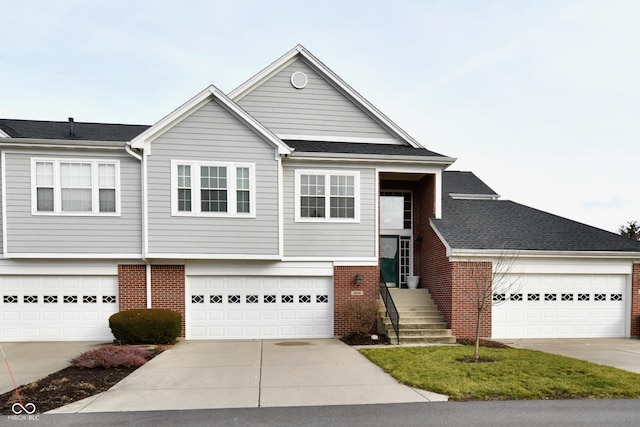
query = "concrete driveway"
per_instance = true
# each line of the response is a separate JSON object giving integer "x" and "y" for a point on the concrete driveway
{"x": 256, "y": 373}
{"x": 623, "y": 353}
{"x": 30, "y": 361}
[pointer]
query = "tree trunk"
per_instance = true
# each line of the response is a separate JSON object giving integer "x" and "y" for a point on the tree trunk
{"x": 476, "y": 353}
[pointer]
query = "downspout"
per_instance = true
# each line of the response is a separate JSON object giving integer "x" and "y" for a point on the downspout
{"x": 143, "y": 256}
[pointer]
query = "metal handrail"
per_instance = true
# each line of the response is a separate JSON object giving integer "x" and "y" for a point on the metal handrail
{"x": 390, "y": 307}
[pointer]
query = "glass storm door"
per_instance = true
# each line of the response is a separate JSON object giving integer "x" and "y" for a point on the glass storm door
{"x": 389, "y": 257}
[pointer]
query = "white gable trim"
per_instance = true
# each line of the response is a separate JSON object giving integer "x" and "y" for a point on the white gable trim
{"x": 299, "y": 51}
{"x": 3, "y": 134}
{"x": 141, "y": 141}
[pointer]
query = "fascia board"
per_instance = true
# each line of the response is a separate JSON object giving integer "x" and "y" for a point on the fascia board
{"x": 448, "y": 249}
{"x": 168, "y": 120}
{"x": 359, "y": 98}
{"x": 277, "y": 65}
{"x": 462, "y": 196}
{"x": 300, "y": 50}
{"x": 463, "y": 254}
{"x": 61, "y": 143}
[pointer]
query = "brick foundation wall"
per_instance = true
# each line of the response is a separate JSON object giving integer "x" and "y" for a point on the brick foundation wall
{"x": 464, "y": 299}
{"x": 343, "y": 284}
{"x": 635, "y": 301}
{"x": 132, "y": 287}
{"x": 168, "y": 289}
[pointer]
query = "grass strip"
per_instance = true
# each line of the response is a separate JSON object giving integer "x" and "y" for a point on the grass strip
{"x": 516, "y": 374}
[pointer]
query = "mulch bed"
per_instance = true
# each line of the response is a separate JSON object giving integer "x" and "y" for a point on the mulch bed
{"x": 483, "y": 343}
{"x": 67, "y": 386}
{"x": 356, "y": 339}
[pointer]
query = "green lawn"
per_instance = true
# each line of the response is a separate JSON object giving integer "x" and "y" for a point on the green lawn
{"x": 518, "y": 374}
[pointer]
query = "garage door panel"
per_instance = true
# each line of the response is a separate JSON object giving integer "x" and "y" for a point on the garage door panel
{"x": 563, "y": 306}
{"x": 57, "y": 307}
{"x": 255, "y": 307}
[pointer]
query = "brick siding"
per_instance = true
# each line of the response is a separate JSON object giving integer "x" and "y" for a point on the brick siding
{"x": 168, "y": 289}
{"x": 635, "y": 301}
{"x": 343, "y": 285}
{"x": 132, "y": 287}
{"x": 464, "y": 299}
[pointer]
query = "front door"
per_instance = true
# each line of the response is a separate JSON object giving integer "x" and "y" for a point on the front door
{"x": 389, "y": 259}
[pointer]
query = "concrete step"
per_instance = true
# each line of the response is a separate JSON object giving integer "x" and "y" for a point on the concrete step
{"x": 421, "y": 325}
{"x": 423, "y": 340}
{"x": 422, "y": 332}
{"x": 419, "y": 313}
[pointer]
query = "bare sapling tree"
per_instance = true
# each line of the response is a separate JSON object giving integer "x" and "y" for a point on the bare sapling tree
{"x": 491, "y": 288}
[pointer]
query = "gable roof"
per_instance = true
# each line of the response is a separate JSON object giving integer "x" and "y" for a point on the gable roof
{"x": 299, "y": 51}
{"x": 209, "y": 93}
{"x": 82, "y": 131}
{"x": 468, "y": 224}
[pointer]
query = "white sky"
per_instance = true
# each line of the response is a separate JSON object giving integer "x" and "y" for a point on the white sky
{"x": 541, "y": 99}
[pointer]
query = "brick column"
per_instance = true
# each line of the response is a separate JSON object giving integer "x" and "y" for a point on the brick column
{"x": 343, "y": 284}
{"x": 464, "y": 299}
{"x": 168, "y": 289}
{"x": 132, "y": 287}
{"x": 635, "y": 301}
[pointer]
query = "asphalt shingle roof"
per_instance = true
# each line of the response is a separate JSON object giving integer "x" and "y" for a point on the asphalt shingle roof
{"x": 503, "y": 224}
{"x": 356, "y": 148}
{"x": 40, "y": 129}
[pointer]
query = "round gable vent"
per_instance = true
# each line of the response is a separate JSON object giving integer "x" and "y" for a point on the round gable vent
{"x": 299, "y": 80}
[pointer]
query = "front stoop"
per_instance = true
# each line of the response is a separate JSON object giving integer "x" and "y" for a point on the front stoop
{"x": 420, "y": 319}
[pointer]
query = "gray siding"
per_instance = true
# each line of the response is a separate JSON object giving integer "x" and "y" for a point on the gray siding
{"x": 51, "y": 234}
{"x": 212, "y": 134}
{"x": 319, "y": 109}
{"x": 1, "y": 218}
{"x": 331, "y": 239}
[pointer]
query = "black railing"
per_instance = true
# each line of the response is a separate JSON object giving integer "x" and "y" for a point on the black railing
{"x": 390, "y": 307}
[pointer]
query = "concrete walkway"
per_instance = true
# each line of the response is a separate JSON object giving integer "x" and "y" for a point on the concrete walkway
{"x": 30, "y": 361}
{"x": 257, "y": 373}
{"x": 622, "y": 353}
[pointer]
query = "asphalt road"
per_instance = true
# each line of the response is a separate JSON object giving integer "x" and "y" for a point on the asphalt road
{"x": 467, "y": 414}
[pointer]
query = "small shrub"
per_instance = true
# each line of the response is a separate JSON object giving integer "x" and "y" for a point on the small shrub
{"x": 360, "y": 315}
{"x": 112, "y": 356}
{"x": 146, "y": 326}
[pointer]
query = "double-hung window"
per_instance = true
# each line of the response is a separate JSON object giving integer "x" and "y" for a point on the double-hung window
{"x": 75, "y": 187}
{"x": 327, "y": 195}
{"x": 212, "y": 188}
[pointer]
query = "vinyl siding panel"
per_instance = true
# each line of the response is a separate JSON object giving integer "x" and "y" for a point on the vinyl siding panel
{"x": 319, "y": 109}
{"x": 1, "y": 218}
{"x": 331, "y": 239}
{"x": 213, "y": 134}
{"x": 59, "y": 234}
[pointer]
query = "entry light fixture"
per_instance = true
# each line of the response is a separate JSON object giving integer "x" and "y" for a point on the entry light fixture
{"x": 357, "y": 280}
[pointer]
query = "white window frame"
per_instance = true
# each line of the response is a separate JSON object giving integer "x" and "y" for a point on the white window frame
{"x": 57, "y": 188}
{"x": 327, "y": 173}
{"x": 195, "y": 189}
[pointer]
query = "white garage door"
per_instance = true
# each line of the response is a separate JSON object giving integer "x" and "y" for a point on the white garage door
{"x": 259, "y": 307}
{"x": 57, "y": 308}
{"x": 562, "y": 306}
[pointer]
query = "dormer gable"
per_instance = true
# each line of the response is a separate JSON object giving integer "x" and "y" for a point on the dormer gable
{"x": 300, "y": 98}
{"x": 211, "y": 93}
